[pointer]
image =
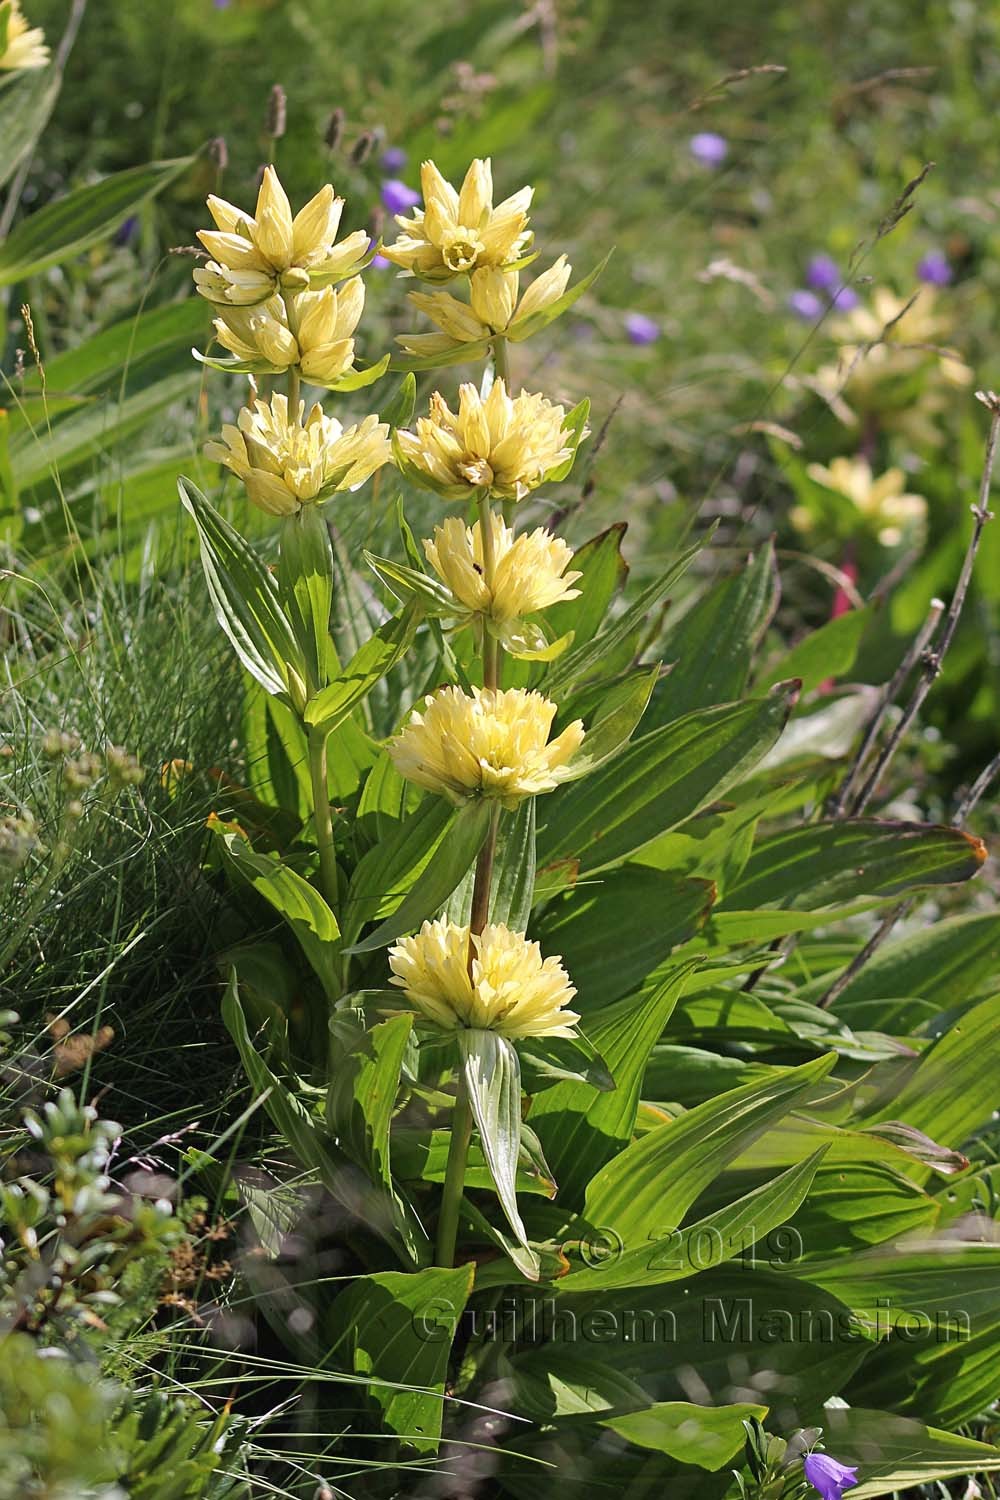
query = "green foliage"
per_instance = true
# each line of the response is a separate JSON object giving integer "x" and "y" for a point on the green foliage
{"x": 765, "y": 1149}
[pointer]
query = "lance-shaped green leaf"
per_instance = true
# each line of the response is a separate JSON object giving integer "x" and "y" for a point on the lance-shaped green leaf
{"x": 514, "y": 869}
{"x": 587, "y": 658}
{"x": 364, "y": 1081}
{"x": 305, "y": 579}
{"x": 398, "y": 1329}
{"x": 385, "y": 874}
{"x": 424, "y": 1154}
{"x": 658, "y": 782}
{"x": 582, "y": 1128}
{"x": 434, "y": 598}
{"x": 603, "y": 572}
{"x": 935, "y": 1304}
{"x": 649, "y": 1187}
{"x": 574, "y": 431}
{"x": 710, "y": 1242}
{"x": 25, "y": 107}
{"x": 438, "y": 879}
{"x": 356, "y": 379}
{"x": 893, "y": 1453}
{"x": 708, "y": 1437}
{"x": 613, "y": 723}
{"x": 711, "y": 648}
{"x": 614, "y": 932}
{"x": 525, "y": 328}
{"x": 398, "y": 411}
{"x": 827, "y": 652}
{"x": 86, "y": 215}
{"x": 826, "y": 864}
{"x": 947, "y": 1091}
{"x": 492, "y": 1077}
{"x": 367, "y": 667}
{"x": 285, "y": 1108}
{"x": 384, "y": 1211}
{"x": 246, "y": 601}
{"x": 455, "y": 354}
{"x": 301, "y": 905}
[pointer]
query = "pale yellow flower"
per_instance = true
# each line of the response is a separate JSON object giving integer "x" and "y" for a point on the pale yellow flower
{"x": 287, "y": 462}
{"x": 503, "y": 446}
{"x": 252, "y": 258}
{"x": 529, "y": 571}
{"x": 512, "y": 989}
{"x": 493, "y": 308}
{"x": 488, "y": 744}
{"x": 322, "y": 345}
{"x": 21, "y": 45}
{"x": 457, "y": 232}
{"x": 882, "y": 346}
{"x": 881, "y": 501}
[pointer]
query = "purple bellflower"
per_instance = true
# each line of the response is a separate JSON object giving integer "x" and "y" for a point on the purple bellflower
{"x": 828, "y": 1477}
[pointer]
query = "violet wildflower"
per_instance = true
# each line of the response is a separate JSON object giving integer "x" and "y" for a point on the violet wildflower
{"x": 828, "y": 1477}
{"x": 935, "y": 268}
{"x": 845, "y": 299}
{"x": 394, "y": 159}
{"x": 127, "y": 231}
{"x": 397, "y": 197}
{"x": 709, "y": 148}
{"x": 823, "y": 274}
{"x": 640, "y": 329}
{"x": 805, "y": 305}
{"x": 379, "y": 263}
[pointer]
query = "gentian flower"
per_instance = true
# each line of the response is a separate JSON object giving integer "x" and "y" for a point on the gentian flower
{"x": 805, "y": 305}
{"x": 640, "y": 329}
{"x": 845, "y": 299}
{"x": 935, "y": 268}
{"x": 397, "y": 197}
{"x": 823, "y": 274}
{"x": 709, "y": 148}
{"x": 828, "y": 1477}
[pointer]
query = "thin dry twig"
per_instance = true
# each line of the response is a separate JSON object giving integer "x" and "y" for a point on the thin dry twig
{"x": 931, "y": 667}
{"x": 971, "y": 798}
{"x": 933, "y": 658}
{"x": 841, "y": 804}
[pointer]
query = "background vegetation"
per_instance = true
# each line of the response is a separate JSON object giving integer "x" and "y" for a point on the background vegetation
{"x": 827, "y": 112}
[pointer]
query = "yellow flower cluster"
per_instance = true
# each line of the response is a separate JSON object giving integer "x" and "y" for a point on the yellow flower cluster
{"x": 487, "y": 743}
{"x": 456, "y": 232}
{"x": 493, "y": 308}
{"x": 508, "y": 987}
{"x": 252, "y": 258}
{"x": 528, "y": 572}
{"x": 503, "y": 447}
{"x": 881, "y": 501}
{"x": 287, "y": 459}
{"x": 322, "y": 344}
{"x": 21, "y": 46}
{"x": 272, "y": 280}
{"x": 883, "y": 345}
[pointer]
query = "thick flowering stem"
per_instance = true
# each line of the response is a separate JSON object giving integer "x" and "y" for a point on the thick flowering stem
{"x": 454, "y": 1179}
{"x": 480, "y": 914}
{"x": 491, "y": 646}
{"x": 293, "y": 391}
{"x": 323, "y": 819}
{"x": 501, "y": 368}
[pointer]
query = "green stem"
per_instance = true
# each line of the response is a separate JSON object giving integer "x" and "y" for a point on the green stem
{"x": 323, "y": 819}
{"x": 491, "y": 646}
{"x": 501, "y": 368}
{"x": 454, "y": 1179}
{"x": 293, "y": 392}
